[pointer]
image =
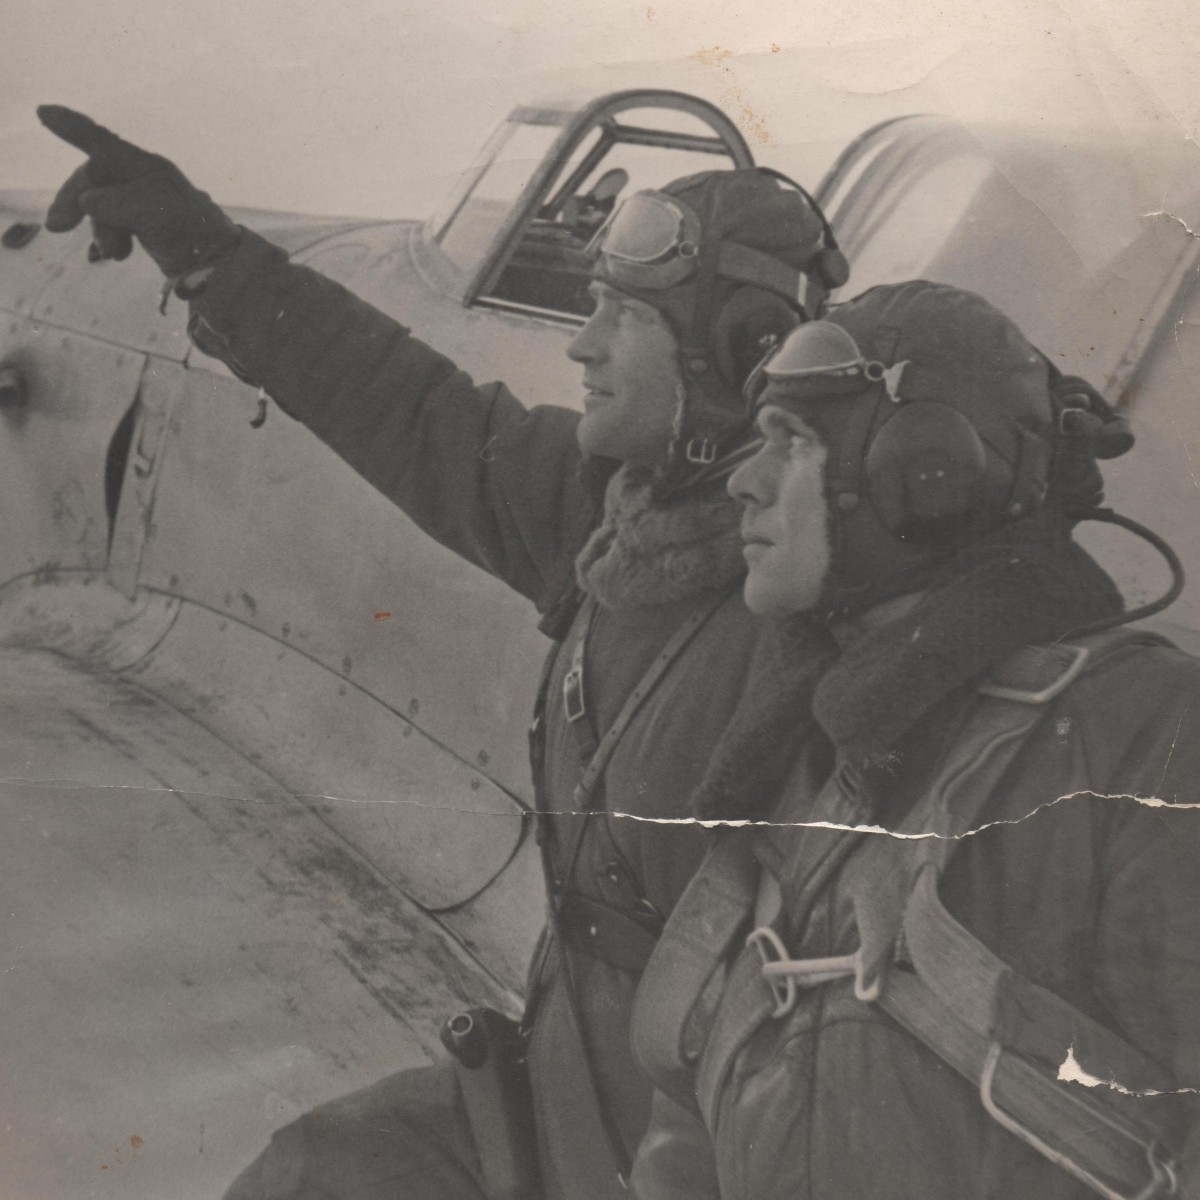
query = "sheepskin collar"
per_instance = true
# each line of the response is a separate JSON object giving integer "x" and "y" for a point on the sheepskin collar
{"x": 649, "y": 552}
{"x": 1028, "y": 585}
{"x": 878, "y": 696}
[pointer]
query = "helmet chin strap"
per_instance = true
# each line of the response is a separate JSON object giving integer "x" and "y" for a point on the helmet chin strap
{"x": 698, "y": 365}
{"x": 673, "y": 482}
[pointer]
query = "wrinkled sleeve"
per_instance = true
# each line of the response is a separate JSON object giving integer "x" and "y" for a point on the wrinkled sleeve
{"x": 495, "y": 482}
{"x": 675, "y": 1160}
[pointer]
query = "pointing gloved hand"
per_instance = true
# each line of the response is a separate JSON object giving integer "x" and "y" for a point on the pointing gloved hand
{"x": 129, "y": 192}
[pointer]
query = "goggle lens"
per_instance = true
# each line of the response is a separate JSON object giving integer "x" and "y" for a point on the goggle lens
{"x": 818, "y": 358}
{"x": 645, "y": 229}
{"x": 818, "y": 348}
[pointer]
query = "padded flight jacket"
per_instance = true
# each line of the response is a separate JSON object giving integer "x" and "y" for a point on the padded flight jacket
{"x": 1073, "y": 882}
{"x": 416, "y": 427}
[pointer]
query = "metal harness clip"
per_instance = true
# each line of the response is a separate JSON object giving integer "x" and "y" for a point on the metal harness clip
{"x": 785, "y": 975}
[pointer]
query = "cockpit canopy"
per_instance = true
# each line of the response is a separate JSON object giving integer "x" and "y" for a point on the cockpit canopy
{"x": 514, "y": 234}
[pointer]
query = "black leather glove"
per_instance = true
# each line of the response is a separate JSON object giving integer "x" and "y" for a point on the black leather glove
{"x": 130, "y": 193}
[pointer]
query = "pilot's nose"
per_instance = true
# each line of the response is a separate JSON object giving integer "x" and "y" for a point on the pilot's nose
{"x": 750, "y": 483}
{"x": 589, "y": 344}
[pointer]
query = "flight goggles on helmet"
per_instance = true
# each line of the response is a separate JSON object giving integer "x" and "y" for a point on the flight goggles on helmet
{"x": 818, "y": 359}
{"x": 652, "y": 242}
{"x": 941, "y": 461}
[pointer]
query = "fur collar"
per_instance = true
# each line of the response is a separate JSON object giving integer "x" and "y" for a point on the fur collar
{"x": 646, "y": 552}
{"x": 1028, "y": 584}
{"x": 772, "y": 724}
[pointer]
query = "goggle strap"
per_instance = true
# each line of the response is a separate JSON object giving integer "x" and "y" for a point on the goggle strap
{"x": 743, "y": 264}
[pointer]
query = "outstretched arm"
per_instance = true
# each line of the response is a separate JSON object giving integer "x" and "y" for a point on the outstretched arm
{"x": 491, "y": 480}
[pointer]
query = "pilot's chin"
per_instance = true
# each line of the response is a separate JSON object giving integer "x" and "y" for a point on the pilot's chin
{"x": 594, "y": 440}
{"x": 770, "y": 594}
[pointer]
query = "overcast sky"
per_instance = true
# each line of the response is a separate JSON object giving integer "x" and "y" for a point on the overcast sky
{"x": 372, "y": 106}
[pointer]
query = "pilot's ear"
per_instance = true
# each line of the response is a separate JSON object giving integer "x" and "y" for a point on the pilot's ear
{"x": 749, "y": 318}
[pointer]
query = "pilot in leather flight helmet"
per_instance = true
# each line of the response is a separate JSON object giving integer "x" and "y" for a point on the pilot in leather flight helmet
{"x": 725, "y": 256}
{"x": 941, "y": 424}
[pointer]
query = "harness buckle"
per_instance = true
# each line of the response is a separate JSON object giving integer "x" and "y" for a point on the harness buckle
{"x": 785, "y": 975}
{"x": 1164, "y": 1178}
{"x": 702, "y": 451}
{"x": 573, "y": 703}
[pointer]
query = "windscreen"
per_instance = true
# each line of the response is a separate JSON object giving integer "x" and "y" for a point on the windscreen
{"x": 469, "y": 223}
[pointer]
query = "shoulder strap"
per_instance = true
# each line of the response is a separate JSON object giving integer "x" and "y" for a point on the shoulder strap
{"x": 1014, "y": 699}
{"x": 674, "y": 647}
{"x": 958, "y": 1001}
{"x": 584, "y": 800}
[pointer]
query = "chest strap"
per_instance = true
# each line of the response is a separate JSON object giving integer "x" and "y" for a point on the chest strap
{"x": 611, "y": 939}
{"x": 674, "y": 647}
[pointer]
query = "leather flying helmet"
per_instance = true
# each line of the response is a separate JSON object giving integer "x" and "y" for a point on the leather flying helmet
{"x": 942, "y": 423}
{"x": 729, "y": 258}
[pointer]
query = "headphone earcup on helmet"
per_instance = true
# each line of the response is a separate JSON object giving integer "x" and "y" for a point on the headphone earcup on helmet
{"x": 746, "y": 320}
{"x": 924, "y": 469}
{"x": 831, "y": 267}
